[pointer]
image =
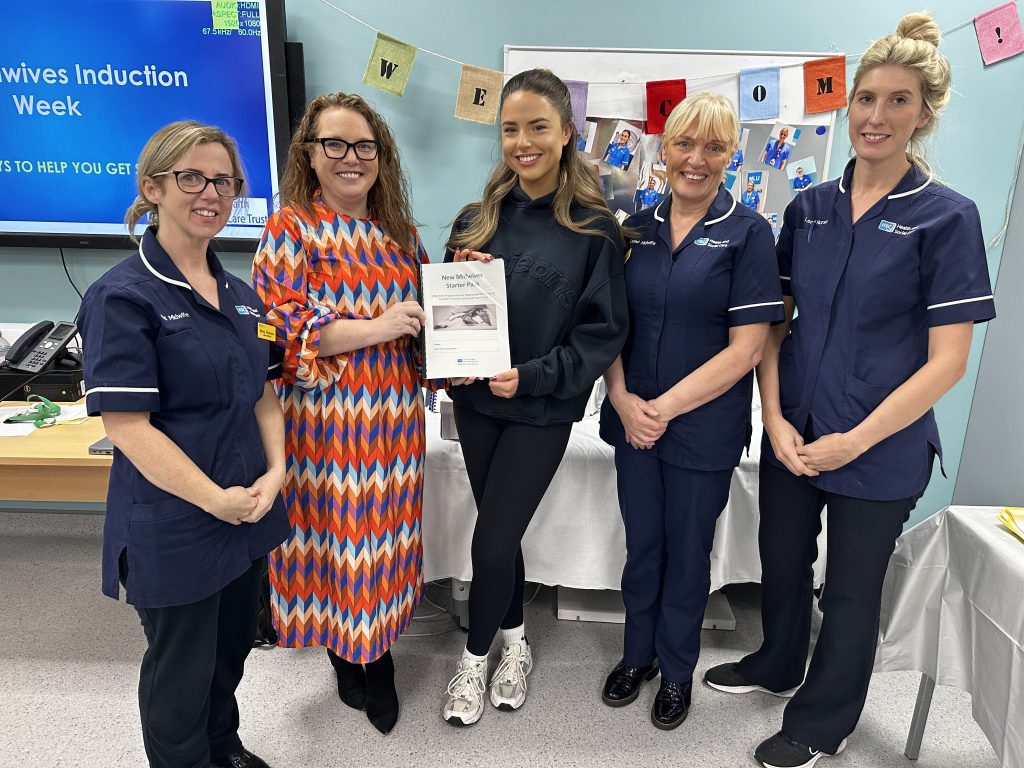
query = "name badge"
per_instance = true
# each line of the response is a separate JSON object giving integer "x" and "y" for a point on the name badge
{"x": 265, "y": 331}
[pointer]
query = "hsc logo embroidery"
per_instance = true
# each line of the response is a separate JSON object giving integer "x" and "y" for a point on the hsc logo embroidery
{"x": 896, "y": 229}
{"x": 711, "y": 243}
{"x": 244, "y": 310}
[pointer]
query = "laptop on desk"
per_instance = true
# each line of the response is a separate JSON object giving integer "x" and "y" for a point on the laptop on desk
{"x": 102, "y": 448}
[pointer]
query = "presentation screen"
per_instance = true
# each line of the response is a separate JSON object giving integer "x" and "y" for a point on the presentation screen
{"x": 84, "y": 84}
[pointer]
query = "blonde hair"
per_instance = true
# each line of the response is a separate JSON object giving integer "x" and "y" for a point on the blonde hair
{"x": 388, "y": 200}
{"x": 577, "y": 184}
{"x": 914, "y": 46}
{"x": 708, "y": 116}
{"x": 165, "y": 148}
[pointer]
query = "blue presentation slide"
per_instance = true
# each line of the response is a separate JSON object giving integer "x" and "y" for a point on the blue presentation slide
{"x": 84, "y": 84}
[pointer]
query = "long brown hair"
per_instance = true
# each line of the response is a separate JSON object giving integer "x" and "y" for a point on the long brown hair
{"x": 388, "y": 201}
{"x": 576, "y": 182}
{"x": 165, "y": 148}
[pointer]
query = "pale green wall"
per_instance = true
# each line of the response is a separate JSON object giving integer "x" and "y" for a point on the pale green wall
{"x": 447, "y": 159}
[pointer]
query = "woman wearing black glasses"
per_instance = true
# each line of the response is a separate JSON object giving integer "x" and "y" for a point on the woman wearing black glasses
{"x": 337, "y": 268}
{"x": 177, "y": 364}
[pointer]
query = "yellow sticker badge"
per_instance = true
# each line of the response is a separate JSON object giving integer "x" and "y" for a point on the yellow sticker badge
{"x": 265, "y": 331}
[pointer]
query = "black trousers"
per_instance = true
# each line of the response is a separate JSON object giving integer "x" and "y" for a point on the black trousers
{"x": 510, "y": 466}
{"x": 861, "y": 537}
{"x": 190, "y": 671}
{"x": 670, "y": 515}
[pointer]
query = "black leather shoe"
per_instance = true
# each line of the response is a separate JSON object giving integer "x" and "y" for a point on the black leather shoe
{"x": 351, "y": 681}
{"x": 623, "y": 683}
{"x": 243, "y": 758}
{"x": 671, "y": 705}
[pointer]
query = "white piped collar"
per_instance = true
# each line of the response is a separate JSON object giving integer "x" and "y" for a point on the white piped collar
{"x": 158, "y": 257}
{"x": 725, "y": 216}
{"x": 152, "y": 269}
{"x": 721, "y": 192}
{"x": 913, "y": 171}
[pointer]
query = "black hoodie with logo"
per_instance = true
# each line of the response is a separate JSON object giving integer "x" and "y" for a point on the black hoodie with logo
{"x": 566, "y": 310}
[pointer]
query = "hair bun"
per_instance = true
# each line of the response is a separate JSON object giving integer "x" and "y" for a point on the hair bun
{"x": 920, "y": 26}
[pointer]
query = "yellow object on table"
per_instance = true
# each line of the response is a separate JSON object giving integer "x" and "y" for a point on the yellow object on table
{"x": 1013, "y": 519}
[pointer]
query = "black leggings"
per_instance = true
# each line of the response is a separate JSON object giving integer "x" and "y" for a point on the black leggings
{"x": 510, "y": 466}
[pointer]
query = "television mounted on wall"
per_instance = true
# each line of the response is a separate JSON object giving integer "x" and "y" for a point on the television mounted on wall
{"x": 84, "y": 84}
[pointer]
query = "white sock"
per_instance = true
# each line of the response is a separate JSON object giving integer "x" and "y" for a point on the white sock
{"x": 514, "y": 635}
{"x": 472, "y": 657}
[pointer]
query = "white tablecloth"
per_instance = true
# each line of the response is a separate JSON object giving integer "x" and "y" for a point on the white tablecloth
{"x": 576, "y": 538}
{"x": 953, "y": 609}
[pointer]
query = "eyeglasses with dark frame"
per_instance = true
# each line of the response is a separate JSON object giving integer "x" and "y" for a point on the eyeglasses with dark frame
{"x": 337, "y": 149}
{"x": 194, "y": 182}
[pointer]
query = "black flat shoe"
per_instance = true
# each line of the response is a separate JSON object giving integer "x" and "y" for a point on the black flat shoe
{"x": 351, "y": 681}
{"x": 671, "y": 705}
{"x": 623, "y": 683}
{"x": 381, "y": 696}
{"x": 243, "y": 758}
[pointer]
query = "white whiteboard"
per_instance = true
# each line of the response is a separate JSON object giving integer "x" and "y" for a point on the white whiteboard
{"x": 716, "y": 71}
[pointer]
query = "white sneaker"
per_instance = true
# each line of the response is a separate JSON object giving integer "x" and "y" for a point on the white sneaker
{"x": 508, "y": 685}
{"x": 465, "y": 703}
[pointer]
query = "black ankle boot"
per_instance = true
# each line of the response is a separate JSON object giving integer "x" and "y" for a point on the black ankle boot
{"x": 381, "y": 696}
{"x": 351, "y": 681}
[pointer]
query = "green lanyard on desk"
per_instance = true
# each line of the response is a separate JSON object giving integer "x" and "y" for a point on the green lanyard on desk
{"x": 42, "y": 414}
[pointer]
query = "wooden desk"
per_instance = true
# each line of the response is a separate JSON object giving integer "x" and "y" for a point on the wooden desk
{"x": 53, "y": 464}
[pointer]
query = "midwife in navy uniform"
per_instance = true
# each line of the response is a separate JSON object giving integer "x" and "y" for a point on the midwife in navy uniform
{"x": 702, "y": 286}
{"x": 177, "y": 363}
{"x": 886, "y": 267}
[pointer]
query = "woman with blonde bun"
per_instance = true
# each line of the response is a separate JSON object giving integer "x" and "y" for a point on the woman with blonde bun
{"x": 887, "y": 267}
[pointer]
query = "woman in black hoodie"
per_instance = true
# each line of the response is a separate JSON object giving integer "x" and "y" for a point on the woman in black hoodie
{"x": 543, "y": 214}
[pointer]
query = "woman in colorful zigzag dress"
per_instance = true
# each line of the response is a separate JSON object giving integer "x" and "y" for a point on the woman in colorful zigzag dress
{"x": 337, "y": 270}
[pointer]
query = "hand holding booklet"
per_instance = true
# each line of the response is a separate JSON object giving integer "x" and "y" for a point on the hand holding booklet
{"x": 467, "y": 319}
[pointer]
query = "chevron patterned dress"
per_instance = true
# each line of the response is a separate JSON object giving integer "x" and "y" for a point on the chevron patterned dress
{"x": 349, "y": 576}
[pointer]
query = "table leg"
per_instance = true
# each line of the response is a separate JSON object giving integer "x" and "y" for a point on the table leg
{"x": 460, "y": 602}
{"x": 920, "y": 719}
{"x": 718, "y": 614}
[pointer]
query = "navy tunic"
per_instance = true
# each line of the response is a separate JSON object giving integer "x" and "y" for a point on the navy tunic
{"x": 681, "y": 307}
{"x": 154, "y": 345}
{"x": 866, "y": 295}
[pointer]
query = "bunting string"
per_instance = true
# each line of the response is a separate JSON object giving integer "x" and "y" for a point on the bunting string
{"x": 849, "y": 59}
{"x": 998, "y": 30}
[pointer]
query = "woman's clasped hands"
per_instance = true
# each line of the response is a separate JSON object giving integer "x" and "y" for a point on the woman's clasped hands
{"x": 641, "y": 420}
